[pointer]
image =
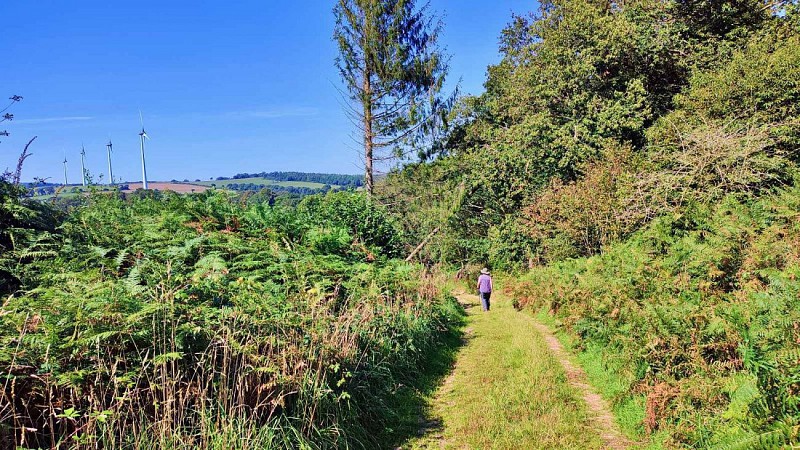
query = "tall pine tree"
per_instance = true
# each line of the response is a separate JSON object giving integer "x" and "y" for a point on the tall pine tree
{"x": 393, "y": 71}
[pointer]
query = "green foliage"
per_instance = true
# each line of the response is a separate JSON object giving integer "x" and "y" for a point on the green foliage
{"x": 25, "y": 234}
{"x": 562, "y": 225}
{"x": 169, "y": 321}
{"x": 733, "y": 131}
{"x": 581, "y": 80}
{"x": 698, "y": 310}
{"x": 358, "y": 216}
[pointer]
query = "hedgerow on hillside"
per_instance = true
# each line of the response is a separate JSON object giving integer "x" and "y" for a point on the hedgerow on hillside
{"x": 168, "y": 321}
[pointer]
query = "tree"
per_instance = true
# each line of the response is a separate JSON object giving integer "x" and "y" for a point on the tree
{"x": 393, "y": 72}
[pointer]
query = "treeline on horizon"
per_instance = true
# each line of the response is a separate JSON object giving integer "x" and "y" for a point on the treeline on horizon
{"x": 323, "y": 178}
{"x": 294, "y": 190}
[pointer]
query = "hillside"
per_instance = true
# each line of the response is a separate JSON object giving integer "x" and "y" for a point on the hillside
{"x": 293, "y": 183}
{"x": 299, "y": 183}
{"x": 262, "y": 181}
{"x": 630, "y": 176}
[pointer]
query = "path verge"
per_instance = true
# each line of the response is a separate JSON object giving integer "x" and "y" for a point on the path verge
{"x": 506, "y": 391}
{"x": 599, "y": 409}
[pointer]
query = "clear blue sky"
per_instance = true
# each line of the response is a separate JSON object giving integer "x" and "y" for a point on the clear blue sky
{"x": 225, "y": 87}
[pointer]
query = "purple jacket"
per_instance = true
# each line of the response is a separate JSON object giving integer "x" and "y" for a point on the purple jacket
{"x": 484, "y": 284}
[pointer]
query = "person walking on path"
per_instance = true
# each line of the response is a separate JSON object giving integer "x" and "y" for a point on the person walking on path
{"x": 485, "y": 288}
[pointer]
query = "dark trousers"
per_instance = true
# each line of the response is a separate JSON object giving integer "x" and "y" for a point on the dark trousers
{"x": 485, "y": 300}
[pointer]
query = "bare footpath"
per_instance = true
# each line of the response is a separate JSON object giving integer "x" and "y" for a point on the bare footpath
{"x": 599, "y": 409}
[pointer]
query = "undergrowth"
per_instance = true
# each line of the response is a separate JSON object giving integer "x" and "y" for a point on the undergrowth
{"x": 697, "y": 314}
{"x": 202, "y": 321}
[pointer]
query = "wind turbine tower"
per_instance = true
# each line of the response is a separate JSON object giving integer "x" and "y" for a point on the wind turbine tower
{"x": 143, "y": 136}
{"x": 110, "y": 172}
{"x": 66, "y": 182}
{"x": 83, "y": 165}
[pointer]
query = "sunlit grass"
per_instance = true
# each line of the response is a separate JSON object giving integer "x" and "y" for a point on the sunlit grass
{"x": 629, "y": 410}
{"x": 507, "y": 391}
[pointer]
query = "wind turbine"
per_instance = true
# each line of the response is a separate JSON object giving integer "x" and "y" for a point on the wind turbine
{"x": 66, "y": 182}
{"x": 83, "y": 164}
{"x": 110, "y": 172}
{"x": 143, "y": 135}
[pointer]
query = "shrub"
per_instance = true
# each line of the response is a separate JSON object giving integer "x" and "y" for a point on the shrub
{"x": 365, "y": 220}
{"x": 698, "y": 310}
{"x": 168, "y": 321}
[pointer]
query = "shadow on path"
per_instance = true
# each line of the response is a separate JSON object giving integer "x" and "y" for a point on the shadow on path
{"x": 411, "y": 400}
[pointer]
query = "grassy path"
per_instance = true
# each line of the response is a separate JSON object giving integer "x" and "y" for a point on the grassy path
{"x": 509, "y": 390}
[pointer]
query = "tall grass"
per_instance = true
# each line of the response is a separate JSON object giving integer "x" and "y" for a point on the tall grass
{"x": 205, "y": 322}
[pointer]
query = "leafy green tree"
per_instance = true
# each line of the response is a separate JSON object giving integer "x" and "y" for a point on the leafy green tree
{"x": 393, "y": 71}
{"x": 577, "y": 80}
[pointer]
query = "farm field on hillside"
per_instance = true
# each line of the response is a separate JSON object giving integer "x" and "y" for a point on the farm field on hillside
{"x": 72, "y": 191}
{"x": 181, "y": 188}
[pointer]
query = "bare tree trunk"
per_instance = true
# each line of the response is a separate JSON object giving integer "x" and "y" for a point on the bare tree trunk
{"x": 422, "y": 244}
{"x": 368, "y": 136}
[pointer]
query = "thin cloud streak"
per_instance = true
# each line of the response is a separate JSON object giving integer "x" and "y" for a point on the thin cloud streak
{"x": 54, "y": 119}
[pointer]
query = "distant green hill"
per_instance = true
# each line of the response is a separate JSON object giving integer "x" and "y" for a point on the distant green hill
{"x": 332, "y": 179}
{"x": 301, "y": 183}
{"x": 261, "y": 181}
{"x": 296, "y": 183}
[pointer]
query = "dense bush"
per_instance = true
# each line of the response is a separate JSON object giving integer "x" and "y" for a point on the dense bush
{"x": 581, "y": 79}
{"x": 359, "y": 216}
{"x": 168, "y": 321}
{"x": 734, "y": 130}
{"x": 568, "y": 220}
{"x": 699, "y": 312}
{"x": 24, "y": 230}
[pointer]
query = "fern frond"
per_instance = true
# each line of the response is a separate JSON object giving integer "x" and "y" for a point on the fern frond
{"x": 775, "y": 439}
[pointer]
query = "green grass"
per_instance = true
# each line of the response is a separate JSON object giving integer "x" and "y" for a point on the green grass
{"x": 260, "y": 180}
{"x": 629, "y": 410}
{"x": 506, "y": 391}
{"x": 411, "y": 400}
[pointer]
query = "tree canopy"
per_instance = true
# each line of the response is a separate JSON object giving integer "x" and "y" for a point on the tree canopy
{"x": 393, "y": 72}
